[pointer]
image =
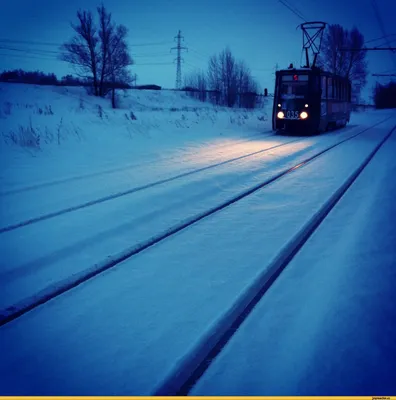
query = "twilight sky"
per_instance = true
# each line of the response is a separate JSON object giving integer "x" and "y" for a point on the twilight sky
{"x": 261, "y": 32}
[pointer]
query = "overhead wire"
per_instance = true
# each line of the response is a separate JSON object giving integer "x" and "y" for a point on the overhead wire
{"x": 37, "y": 43}
{"x": 294, "y": 10}
{"x": 382, "y": 26}
{"x": 380, "y": 38}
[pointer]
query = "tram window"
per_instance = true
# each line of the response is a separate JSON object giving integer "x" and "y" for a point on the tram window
{"x": 324, "y": 87}
{"x": 329, "y": 88}
{"x": 297, "y": 89}
{"x": 335, "y": 89}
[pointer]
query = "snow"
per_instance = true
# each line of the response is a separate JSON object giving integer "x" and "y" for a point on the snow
{"x": 40, "y": 256}
{"x": 326, "y": 327}
{"x": 125, "y": 331}
{"x": 169, "y": 125}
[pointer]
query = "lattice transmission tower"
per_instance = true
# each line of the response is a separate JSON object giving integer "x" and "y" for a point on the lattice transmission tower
{"x": 179, "y": 59}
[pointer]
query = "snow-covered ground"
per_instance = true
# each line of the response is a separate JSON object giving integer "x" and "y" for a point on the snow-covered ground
{"x": 44, "y": 254}
{"x": 129, "y": 328}
{"x": 327, "y": 326}
{"x": 94, "y": 138}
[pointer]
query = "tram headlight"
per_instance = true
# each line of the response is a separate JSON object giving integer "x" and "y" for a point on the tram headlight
{"x": 280, "y": 115}
{"x": 304, "y": 115}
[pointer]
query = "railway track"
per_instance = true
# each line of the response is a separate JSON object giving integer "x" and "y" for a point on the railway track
{"x": 136, "y": 189}
{"x": 127, "y": 167}
{"x": 51, "y": 292}
{"x": 187, "y": 373}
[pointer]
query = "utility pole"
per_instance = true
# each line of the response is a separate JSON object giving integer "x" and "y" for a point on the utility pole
{"x": 178, "y": 59}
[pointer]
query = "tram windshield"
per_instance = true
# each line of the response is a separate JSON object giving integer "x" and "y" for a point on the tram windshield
{"x": 294, "y": 87}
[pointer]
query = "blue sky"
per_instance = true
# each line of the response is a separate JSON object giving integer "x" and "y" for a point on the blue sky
{"x": 261, "y": 32}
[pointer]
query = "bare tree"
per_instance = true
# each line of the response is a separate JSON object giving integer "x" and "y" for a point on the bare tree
{"x": 196, "y": 84}
{"x": 82, "y": 50}
{"x": 118, "y": 59}
{"x": 247, "y": 87}
{"x": 106, "y": 29}
{"x": 214, "y": 77}
{"x": 350, "y": 64}
{"x": 231, "y": 78}
{"x": 100, "y": 54}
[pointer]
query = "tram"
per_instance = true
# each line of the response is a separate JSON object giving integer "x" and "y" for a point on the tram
{"x": 309, "y": 100}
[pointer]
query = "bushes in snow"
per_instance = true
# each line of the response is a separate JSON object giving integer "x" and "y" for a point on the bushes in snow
{"x": 24, "y": 136}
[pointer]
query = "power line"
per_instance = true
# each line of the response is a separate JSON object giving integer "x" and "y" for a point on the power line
{"x": 31, "y": 42}
{"x": 293, "y": 10}
{"x": 149, "y": 44}
{"x": 149, "y": 55}
{"x": 383, "y": 44}
{"x": 48, "y": 58}
{"x": 31, "y": 51}
{"x": 29, "y": 57}
{"x": 52, "y": 52}
{"x": 191, "y": 65}
{"x": 158, "y": 63}
{"x": 198, "y": 57}
{"x": 382, "y": 27}
{"x": 200, "y": 54}
{"x": 380, "y": 38}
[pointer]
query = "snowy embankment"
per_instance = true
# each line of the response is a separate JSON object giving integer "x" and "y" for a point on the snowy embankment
{"x": 68, "y": 133}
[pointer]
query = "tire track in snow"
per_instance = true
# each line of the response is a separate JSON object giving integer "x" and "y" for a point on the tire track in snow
{"x": 52, "y": 291}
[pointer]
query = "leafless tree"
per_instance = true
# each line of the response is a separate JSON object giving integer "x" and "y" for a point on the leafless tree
{"x": 106, "y": 29}
{"x": 100, "y": 54}
{"x": 350, "y": 64}
{"x": 231, "y": 78}
{"x": 196, "y": 82}
{"x": 247, "y": 87}
{"x": 214, "y": 77}
{"x": 118, "y": 59}
{"x": 82, "y": 50}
